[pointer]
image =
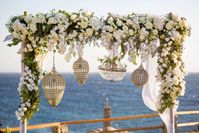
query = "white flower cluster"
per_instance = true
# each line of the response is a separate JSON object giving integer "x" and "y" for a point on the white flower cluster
{"x": 82, "y": 30}
{"x": 27, "y": 81}
{"x": 170, "y": 69}
{"x": 22, "y": 109}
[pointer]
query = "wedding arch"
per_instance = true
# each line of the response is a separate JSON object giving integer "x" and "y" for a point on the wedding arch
{"x": 133, "y": 35}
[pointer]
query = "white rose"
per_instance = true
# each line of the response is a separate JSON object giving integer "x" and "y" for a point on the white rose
{"x": 41, "y": 18}
{"x": 109, "y": 28}
{"x": 18, "y": 115}
{"x": 149, "y": 25}
{"x": 155, "y": 32}
{"x": 142, "y": 20}
{"x": 110, "y": 20}
{"x": 159, "y": 22}
{"x": 175, "y": 34}
{"x": 88, "y": 13}
{"x": 73, "y": 17}
{"x": 125, "y": 28}
{"x": 95, "y": 23}
{"x": 83, "y": 24}
{"x": 135, "y": 21}
{"x": 118, "y": 34}
{"x": 128, "y": 21}
{"x": 119, "y": 22}
{"x": 170, "y": 25}
{"x": 131, "y": 32}
{"x": 52, "y": 20}
{"x": 89, "y": 32}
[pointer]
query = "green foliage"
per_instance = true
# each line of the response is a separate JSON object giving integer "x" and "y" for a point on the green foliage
{"x": 14, "y": 42}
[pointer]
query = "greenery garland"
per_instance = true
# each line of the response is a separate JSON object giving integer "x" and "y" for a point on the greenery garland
{"x": 133, "y": 34}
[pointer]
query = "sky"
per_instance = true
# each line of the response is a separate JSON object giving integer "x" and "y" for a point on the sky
{"x": 10, "y": 60}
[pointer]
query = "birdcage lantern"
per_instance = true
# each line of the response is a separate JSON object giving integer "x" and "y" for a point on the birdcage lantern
{"x": 81, "y": 69}
{"x": 140, "y": 76}
{"x": 53, "y": 85}
{"x": 112, "y": 72}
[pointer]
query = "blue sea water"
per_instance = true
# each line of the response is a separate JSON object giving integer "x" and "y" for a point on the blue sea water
{"x": 86, "y": 102}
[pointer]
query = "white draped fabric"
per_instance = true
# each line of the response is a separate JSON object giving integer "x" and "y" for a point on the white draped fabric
{"x": 151, "y": 92}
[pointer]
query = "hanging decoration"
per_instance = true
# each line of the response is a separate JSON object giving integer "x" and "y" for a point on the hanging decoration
{"x": 140, "y": 76}
{"x": 113, "y": 72}
{"x": 81, "y": 69}
{"x": 111, "y": 69}
{"x": 53, "y": 86}
{"x": 40, "y": 32}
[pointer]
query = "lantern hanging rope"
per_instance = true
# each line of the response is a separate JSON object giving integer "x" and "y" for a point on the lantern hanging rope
{"x": 54, "y": 85}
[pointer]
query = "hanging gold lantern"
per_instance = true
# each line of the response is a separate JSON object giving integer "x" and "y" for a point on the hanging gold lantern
{"x": 140, "y": 76}
{"x": 53, "y": 86}
{"x": 81, "y": 69}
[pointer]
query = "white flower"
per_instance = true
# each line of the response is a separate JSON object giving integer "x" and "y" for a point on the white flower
{"x": 17, "y": 25}
{"x": 131, "y": 32}
{"x": 18, "y": 115}
{"x": 73, "y": 17}
{"x": 89, "y": 32}
{"x": 129, "y": 22}
{"x": 159, "y": 22}
{"x": 135, "y": 21}
{"x": 119, "y": 22}
{"x": 110, "y": 20}
{"x": 170, "y": 25}
{"x": 83, "y": 24}
{"x": 109, "y": 28}
{"x": 95, "y": 23}
{"x": 28, "y": 18}
{"x": 149, "y": 25}
{"x": 143, "y": 33}
{"x": 118, "y": 34}
{"x": 142, "y": 19}
{"x": 87, "y": 13}
{"x": 28, "y": 103}
{"x": 41, "y": 18}
{"x": 125, "y": 28}
{"x": 155, "y": 32}
{"x": 175, "y": 34}
{"x": 160, "y": 60}
{"x": 52, "y": 20}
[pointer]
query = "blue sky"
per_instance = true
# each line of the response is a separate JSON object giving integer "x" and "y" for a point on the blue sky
{"x": 10, "y": 60}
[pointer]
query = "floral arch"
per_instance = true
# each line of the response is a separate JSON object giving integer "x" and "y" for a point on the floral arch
{"x": 132, "y": 35}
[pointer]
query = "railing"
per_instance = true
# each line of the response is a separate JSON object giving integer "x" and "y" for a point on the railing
{"x": 68, "y": 123}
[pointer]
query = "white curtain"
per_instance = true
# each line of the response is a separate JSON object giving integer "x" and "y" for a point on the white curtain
{"x": 151, "y": 92}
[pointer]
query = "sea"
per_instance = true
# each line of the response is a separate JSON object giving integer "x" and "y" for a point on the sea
{"x": 87, "y": 101}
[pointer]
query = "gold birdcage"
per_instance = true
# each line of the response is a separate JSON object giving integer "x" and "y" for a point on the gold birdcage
{"x": 53, "y": 85}
{"x": 140, "y": 76}
{"x": 81, "y": 69}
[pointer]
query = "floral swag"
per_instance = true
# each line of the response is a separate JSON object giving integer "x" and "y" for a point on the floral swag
{"x": 133, "y": 35}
